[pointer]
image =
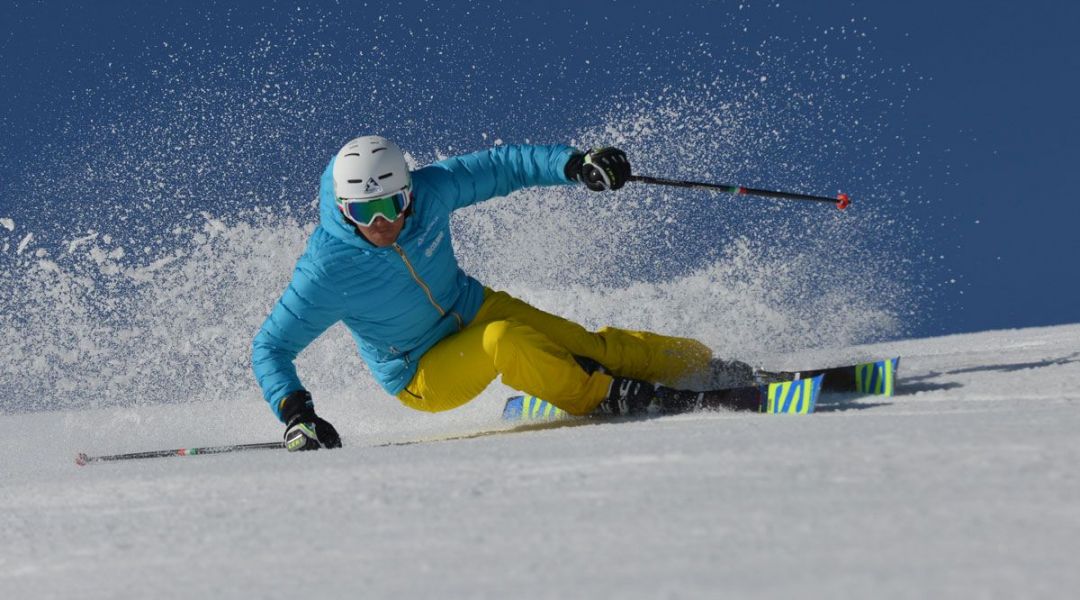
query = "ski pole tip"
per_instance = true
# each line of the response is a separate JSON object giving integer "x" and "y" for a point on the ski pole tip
{"x": 843, "y": 201}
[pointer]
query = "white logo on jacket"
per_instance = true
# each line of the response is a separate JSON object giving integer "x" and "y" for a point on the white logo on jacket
{"x": 434, "y": 244}
{"x": 423, "y": 236}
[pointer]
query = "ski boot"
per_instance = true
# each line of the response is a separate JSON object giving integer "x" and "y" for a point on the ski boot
{"x": 631, "y": 397}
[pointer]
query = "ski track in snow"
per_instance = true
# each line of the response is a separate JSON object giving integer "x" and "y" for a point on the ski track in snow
{"x": 964, "y": 485}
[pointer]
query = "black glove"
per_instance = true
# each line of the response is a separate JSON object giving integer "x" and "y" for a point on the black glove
{"x": 600, "y": 169}
{"x": 304, "y": 430}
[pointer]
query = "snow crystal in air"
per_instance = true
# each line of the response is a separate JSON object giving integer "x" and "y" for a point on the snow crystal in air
{"x": 24, "y": 243}
{"x": 75, "y": 243}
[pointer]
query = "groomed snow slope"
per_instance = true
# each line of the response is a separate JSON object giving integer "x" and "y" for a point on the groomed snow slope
{"x": 965, "y": 484}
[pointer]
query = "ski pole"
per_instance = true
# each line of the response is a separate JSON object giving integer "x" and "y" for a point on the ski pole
{"x": 841, "y": 201}
{"x": 82, "y": 459}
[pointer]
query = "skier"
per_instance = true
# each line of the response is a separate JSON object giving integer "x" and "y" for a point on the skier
{"x": 381, "y": 261}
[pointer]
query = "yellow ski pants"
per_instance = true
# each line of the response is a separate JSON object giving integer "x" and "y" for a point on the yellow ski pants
{"x": 534, "y": 352}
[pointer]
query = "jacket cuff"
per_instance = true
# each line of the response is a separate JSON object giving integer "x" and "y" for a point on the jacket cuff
{"x": 572, "y": 170}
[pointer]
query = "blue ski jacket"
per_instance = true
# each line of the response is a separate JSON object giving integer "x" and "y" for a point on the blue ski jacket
{"x": 398, "y": 301}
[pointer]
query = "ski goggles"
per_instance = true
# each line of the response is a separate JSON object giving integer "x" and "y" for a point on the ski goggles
{"x": 363, "y": 211}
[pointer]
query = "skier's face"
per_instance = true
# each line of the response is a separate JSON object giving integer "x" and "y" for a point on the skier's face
{"x": 381, "y": 233}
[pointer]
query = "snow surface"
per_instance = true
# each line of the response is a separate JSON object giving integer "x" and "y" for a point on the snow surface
{"x": 962, "y": 485}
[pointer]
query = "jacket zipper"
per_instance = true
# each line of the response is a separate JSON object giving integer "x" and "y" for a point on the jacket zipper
{"x": 424, "y": 287}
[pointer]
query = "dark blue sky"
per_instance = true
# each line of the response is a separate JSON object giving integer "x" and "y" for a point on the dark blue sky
{"x": 997, "y": 105}
{"x": 956, "y": 120}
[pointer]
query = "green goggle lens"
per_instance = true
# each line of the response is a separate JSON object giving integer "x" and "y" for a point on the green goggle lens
{"x": 363, "y": 212}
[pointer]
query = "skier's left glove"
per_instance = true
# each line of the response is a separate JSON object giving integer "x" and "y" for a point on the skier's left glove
{"x": 304, "y": 430}
{"x": 600, "y": 169}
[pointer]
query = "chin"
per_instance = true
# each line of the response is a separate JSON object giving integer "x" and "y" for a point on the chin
{"x": 380, "y": 241}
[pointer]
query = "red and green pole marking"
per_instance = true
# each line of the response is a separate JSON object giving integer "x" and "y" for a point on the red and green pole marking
{"x": 841, "y": 201}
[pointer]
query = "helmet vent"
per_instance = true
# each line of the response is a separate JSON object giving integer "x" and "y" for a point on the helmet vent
{"x": 385, "y": 175}
{"x": 377, "y": 150}
{"x": 352, "y": 154}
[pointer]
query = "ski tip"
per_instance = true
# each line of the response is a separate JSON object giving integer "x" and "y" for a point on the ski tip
{"x": 81, "y": 459}
{"x": 877, "y": 378}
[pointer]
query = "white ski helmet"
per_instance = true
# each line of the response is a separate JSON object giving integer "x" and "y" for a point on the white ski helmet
{"x": 370, "y": 167}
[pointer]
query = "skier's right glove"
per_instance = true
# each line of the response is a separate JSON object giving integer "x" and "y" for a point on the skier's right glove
{"x": 304, "y": 430}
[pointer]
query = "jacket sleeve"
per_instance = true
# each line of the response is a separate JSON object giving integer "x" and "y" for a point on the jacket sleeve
{"x": 471, "y": 178}
{"x": 304, "y": 311}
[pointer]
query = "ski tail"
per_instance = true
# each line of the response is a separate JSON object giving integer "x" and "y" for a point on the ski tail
{"x": 531, "y": 408}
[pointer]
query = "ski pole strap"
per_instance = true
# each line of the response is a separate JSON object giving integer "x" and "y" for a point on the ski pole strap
{"x": 841, "y": 201}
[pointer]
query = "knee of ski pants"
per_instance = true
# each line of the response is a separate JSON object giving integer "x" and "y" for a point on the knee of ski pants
{"x": 663, "y": 359}
{"x": 504, "y": 333}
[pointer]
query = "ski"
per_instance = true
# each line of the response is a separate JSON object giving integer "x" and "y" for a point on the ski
{"x": 876, "y": 377}
{"x": 798, "y": 396}
{"x": 83, "y": 459}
